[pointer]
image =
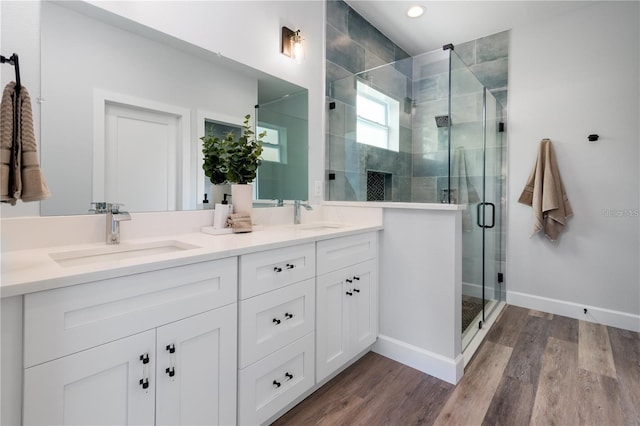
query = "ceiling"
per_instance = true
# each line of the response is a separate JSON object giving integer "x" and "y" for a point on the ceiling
{"x": 454, "y": 22}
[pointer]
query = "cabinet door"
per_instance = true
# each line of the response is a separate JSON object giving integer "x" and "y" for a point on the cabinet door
{"x": 98, "y": 386}
{"x": 332, "y": 328}
{"x": 361, "y": 281}
{"x": 196, "y": 369}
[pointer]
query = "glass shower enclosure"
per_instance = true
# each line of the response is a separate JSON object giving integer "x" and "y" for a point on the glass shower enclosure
{"x": 425, "y": 130}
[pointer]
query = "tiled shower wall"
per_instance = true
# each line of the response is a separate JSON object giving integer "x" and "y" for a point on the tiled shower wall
{"x": 354, "y": 45}
{"x": 418, "y": 171}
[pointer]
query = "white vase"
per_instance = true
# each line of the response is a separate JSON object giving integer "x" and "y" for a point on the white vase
{"x": 218, "y": 192}
{"x": 242, "y": 198}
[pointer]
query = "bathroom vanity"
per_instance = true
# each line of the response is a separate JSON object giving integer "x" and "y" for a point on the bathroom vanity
{"x": 220, "y": 330}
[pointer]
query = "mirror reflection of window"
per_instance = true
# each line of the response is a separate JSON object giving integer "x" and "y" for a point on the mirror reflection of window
{"x": 274, "y": 144}
{"x": 378, "y": 118}
{"x": 216, "y": 128}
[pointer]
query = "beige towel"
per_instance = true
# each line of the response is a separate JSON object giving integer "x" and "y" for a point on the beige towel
{"x": 545, "y": 192}
{"x": 464, "y": 190}
{"x": 20, "y": 175}
{"x": 239, "y": 223}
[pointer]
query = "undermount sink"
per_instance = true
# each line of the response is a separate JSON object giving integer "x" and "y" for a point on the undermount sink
{"x": 118, "y": 252}
{"x": 318, "y": 226}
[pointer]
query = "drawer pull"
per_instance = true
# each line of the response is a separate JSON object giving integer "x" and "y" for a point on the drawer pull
{"x": 349, "y": 281}
{"x": 277, "y": 269}
{"x": 144, "y": 383}
{"x": 144, "y": 358}
{"x": 290, "y": 266}
{"x": 357, "y": 290}
{"x": 171, "y": 371}
{"x": 349, "y": 293}
{"x": 276, "y": 321}
{"x": 356, "y": 278}
{"x": 171, "y": 348}
{"x": 287, "y": 315}
{"x": 277, "y": 384}
{"x": 288, "y": 375}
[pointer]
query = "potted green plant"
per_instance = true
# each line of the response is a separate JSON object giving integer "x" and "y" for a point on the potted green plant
{"x": 234, "y": 160}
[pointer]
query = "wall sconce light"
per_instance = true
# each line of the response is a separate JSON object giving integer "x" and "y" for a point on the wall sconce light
{"x": 291, "y": 44}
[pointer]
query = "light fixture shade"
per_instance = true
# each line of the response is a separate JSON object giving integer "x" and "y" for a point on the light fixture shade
{"x": 291, "y": 44}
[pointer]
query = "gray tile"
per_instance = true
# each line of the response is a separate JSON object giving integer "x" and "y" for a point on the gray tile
{"x": 492, "y": 47}
{"x": 355, "y": 188}
{"x": 425, "y": 65}
{"x": 336, "y": 153}
{"x": 343, "y": 51}
{"x": 370, "y": 37}
{"x": 405, "y": 66}
{"x": 501, "y": 95}
{"x": 430, "y": 165}
{"x": 406, "y": 136}
{"x": 344, "y": 90}
{"x": 424, "y": 190}
{"x": 389, "y": 81}
{"x": 337, "y": 12}
{"x": 334, "y": 73}
{"x": 353, "y": 153}
{"x": 427, "y": 89}
{"x": 401, "y": 189}
{"x": 467, "y": 52}
{"x": 493, "y": 74}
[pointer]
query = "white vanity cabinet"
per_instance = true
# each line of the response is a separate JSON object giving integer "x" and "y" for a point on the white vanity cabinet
{"x": 158, "y": 347}
{"x": 276, "y": 330}
{"x": 346, "y": 300}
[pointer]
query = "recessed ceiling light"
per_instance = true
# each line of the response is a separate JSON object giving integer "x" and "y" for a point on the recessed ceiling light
{"x": 415, "y": 11}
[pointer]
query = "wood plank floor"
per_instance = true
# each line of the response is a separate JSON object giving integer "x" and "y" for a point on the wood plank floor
{"x": 533, "y": 368}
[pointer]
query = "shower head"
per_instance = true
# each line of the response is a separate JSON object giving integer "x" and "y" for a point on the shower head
{"x": 442, "y": 120}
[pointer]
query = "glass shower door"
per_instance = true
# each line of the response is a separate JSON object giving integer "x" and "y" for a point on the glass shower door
{"x": 474, "y": 180}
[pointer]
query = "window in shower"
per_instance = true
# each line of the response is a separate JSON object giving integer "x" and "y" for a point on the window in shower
{"x": 378, "y": 118}
{"x": 274, "y": 143}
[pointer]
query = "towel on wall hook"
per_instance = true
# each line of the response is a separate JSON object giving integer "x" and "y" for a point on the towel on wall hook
{"x": 545, "y": 193}
{"x": 20, "y": 173}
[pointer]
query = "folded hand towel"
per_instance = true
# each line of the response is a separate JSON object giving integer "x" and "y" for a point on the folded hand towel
{"x": 239, "y": 222}
{"x": 545, "y": 192}
{"x": 20, "y": 175}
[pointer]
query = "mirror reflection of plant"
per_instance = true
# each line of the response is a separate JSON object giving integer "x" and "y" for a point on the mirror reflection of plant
{"x": 214, "y": 165}
{"x": 231, "y": 159}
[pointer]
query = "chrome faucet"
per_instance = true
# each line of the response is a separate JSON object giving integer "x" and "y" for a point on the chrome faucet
{"x": 114, "y": 217}
{"x": 296, "y": 210}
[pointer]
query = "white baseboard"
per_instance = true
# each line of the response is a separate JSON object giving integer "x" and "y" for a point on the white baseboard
{"x": 473, "y": 290}
{"x": 595, "y": 314}
{"x": 447, "y": 369}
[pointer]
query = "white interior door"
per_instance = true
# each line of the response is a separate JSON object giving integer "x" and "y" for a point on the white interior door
{"x": 141, "y": 158}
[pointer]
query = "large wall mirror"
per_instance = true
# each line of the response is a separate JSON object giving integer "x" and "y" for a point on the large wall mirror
{"x": 123, "y": 111}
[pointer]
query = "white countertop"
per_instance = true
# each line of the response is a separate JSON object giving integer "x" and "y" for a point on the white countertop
{"x": 28, "y": 271}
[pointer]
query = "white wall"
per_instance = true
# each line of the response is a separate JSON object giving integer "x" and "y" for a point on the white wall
{"x": 571, "y": 76}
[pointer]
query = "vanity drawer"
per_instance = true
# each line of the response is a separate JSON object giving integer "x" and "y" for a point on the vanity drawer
{"x": 66, "y": 320}
{"x": 272, "y": 320}
{"x": 275, "y": 381}
{"x": 341, "y": 252}
{"x": 272, "y": 269}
